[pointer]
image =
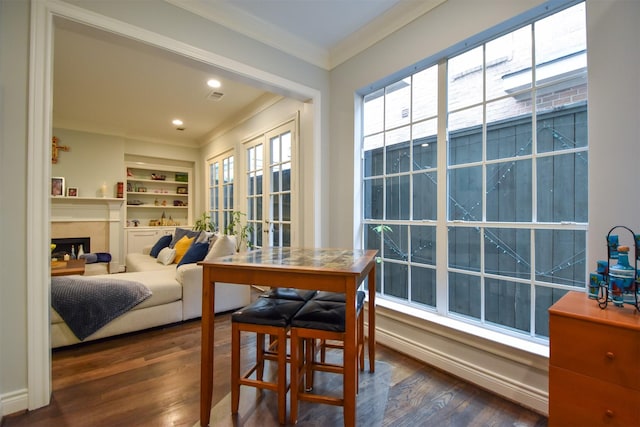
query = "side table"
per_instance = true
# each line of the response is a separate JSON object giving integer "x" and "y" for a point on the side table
{"x": 66, "y": 268}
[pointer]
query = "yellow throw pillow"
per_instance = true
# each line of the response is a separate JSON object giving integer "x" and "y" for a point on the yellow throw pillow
{"x": 181, "y": 247}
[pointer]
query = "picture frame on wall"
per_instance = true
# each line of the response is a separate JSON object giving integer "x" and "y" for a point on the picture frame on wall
{"x": 72, "y": 191}
{"x": 57, "y": 186}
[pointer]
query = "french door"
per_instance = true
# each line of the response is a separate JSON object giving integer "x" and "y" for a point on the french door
{"x": 221, "y": 188}
{"x": 271, "y": 187}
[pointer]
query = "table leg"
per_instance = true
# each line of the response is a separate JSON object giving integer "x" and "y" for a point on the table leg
{"x": 206, "y": 361}
{"x": 371, "y": 280}
{"x": 350, "y": 359}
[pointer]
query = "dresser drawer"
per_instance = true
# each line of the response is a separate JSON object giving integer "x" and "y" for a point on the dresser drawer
{"x": 605, "y": 352}
{"x": 578, "y": 400}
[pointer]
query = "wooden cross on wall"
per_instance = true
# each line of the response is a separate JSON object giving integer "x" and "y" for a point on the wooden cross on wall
{"x": 55, "y": 148}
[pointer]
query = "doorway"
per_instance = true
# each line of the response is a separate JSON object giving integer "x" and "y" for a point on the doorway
{"x": 43, "y": 16}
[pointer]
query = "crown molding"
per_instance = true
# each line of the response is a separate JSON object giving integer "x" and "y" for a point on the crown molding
{"x": 383, "y": 26}
{"x": 227, "y": 15}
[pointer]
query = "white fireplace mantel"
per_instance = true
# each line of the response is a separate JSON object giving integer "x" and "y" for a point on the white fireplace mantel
{"x": 65, "y": 209}
{"x": 94, "y": 209}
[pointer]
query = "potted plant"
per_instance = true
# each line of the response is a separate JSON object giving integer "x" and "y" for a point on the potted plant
{"x": 204, "y": 223}
{"x": 241, "y": 231}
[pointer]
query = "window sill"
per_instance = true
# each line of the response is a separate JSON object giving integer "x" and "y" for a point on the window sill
{"x": 537, "y": 349}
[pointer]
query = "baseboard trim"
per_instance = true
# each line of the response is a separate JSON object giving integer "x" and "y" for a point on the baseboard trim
{"x": 13, "y": 402}
{"x": 509, "y": 388}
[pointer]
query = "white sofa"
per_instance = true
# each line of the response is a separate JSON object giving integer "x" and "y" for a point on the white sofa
{"x": 176, "y": 296}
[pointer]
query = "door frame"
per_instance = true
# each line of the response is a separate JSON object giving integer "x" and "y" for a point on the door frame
{"x": 38, "y": 234}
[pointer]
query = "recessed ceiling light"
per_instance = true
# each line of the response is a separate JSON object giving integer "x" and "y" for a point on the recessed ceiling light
{"x": 214, "y": 83}
{"x": 177, "y": 122}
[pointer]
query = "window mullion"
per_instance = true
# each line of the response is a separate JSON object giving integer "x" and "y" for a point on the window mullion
{"x": 442, "y": 238}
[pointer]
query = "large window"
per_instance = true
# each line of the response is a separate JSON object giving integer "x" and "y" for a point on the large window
{"x": 475, "y": 178}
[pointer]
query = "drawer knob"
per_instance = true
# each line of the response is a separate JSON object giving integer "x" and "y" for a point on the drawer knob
{"x": 609, "y": 413}
{"x": 610, "y": 355}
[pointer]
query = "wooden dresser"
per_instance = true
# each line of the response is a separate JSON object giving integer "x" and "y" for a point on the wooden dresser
{"x": 594, "y": 363}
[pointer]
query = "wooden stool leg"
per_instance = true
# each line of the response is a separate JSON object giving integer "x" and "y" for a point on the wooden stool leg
{"x": 259, "y": 356}
{"x": 235, "y": 368}
{"x": 309, "y": 360}
{"x": 282, "y": 377}
{"x": 297, "y": 356}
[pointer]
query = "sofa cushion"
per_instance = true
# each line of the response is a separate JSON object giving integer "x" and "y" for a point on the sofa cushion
{"x": 162, "y": 243}
{"x": 163, "y": 286}
{"x": 195, "y": 253}
{"x": 180, "y": 233}
{"x": 182, "y": 247}
{"x": 166, "y": 256}
{"x": 224, "y": 246}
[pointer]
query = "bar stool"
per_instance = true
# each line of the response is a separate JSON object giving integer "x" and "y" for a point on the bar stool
{"x": 289, "y": 293}
{"x": 283, "y": 293}
{"x": 319, "y": 319}
{"x": 270, "y": 316}
{"x": 340, "y": 297}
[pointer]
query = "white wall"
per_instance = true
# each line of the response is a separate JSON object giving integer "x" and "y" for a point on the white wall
{"x": 92, "y": 160}
{"x": 614, "y": 96}
{"x": 14, "y": 75}
{"x": 613, "y": 35}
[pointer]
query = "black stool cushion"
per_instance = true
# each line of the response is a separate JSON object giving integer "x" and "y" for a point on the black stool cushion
{"x": 338, "y": 297}
{"x": 324, "y": 315}
{"x": 268, "y": 312}
{"x": 289, "y": 293}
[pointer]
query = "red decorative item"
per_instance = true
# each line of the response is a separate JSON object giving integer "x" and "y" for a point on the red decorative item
{"x": 120, "y": 191}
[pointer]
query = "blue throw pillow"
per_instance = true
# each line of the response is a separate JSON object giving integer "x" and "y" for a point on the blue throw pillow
{"x": 195, "y": 253}
{"x": 162, "y": 243}
{"x": 180, "y": 233}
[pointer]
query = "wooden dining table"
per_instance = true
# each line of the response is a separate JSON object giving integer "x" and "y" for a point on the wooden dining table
{"x": 334, "y": 270}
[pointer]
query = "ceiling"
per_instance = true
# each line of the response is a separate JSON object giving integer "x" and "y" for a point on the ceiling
{"x": 114, "y": 85}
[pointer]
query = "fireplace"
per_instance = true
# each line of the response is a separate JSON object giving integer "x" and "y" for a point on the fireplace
{"x": 63, "y": 246}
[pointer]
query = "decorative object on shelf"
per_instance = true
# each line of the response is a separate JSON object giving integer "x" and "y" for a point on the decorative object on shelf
{"x": 134, "y": 202}
{"x": 72, "y": 191}
{"x": 182, "y": 190}
{"x": 179, "y": 203}
{"x": 135, "y": 222}
{"x": 620, "y": 282}
{"x": 240, "y": 231}
{"x": 55, "y": 148}
{"x": 182, "y": 177}
{"x": 57, "y": 186}
{"x": 203, "y": 223}
{"x": 141, "y": 189}
{"x": 129, "y": 173}
{"x": 103, "y": 189}
{"x": 120, "y": 190}
{"x": 158, "y": 177}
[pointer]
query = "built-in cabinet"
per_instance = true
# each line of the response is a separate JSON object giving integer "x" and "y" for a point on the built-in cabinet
{"x": 157, "y": 196}
{"x": 158, "y": 199}
{"x": 594, "y": 374}
{"x": 139, "y": 238}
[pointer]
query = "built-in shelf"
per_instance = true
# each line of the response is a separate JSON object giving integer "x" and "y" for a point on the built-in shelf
{"x": 148, "y": 195}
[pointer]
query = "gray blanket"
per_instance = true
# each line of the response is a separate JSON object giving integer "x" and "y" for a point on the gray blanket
{"x": 87, "y": 304}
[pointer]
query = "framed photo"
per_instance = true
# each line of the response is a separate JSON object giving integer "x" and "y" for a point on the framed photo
{"x": 72, "y": 191}
{"x": 181, "y": 190}
{"x": 57, "y": 186}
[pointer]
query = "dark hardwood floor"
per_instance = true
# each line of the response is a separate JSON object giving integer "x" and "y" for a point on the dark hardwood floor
{"x": 152, "y": 379}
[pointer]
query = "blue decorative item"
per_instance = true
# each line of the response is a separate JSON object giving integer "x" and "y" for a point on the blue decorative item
{"x": 620, "y": 282}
